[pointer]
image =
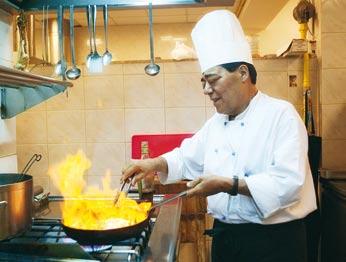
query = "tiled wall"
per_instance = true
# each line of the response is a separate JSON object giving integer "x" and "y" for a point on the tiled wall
{"x": 102, "y": 112}
{"x": 333, "y": 77}
{"x": 8, "y": 162}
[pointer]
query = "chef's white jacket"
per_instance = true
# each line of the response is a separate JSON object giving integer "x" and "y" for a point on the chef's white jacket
{"x": 267, "y": 146}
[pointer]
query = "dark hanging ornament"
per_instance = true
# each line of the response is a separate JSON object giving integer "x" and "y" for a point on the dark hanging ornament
{"x": 303, "y": 11}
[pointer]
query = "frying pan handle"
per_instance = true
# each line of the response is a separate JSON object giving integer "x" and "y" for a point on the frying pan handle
{"x": 181, "y": 194}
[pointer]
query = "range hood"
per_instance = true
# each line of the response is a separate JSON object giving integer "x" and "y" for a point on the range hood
{"x": 37, "y": 5}
{"x": 20, "y": 91}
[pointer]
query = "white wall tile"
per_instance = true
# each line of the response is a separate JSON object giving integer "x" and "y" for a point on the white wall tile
{"x": 66, "y": 126}
{"x": 184, "y": 90}
{"x": 32, "y": 128}
{"x": 106, "y": 157}
{"x": 104, "y": 92}
{"x": 333, "y": 51}
{"x": 71, "y": 99}
{"x": 145, "y": 121}
{"x": 183, "y": 120}
{"x": 105, "y": 125}
{"x": 143, "y": 91}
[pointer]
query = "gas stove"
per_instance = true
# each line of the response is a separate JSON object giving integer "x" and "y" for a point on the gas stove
{"x": 46, "y": 240}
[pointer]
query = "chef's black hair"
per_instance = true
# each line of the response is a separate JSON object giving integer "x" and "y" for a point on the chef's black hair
{"x": 231, "y": 67}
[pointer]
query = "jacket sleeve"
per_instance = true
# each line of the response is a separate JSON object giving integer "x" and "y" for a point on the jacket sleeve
{"x": 186, "y": 161}
{"x": 280, "y": 184}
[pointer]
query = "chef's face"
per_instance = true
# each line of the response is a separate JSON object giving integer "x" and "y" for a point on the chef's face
{"x": 225, "y": 89}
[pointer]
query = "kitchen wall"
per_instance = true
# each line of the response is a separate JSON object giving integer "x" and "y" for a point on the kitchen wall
{"x": 332, "y": 55}
{"x": 101, "y": 112}
{"x": 284, "y": 19}
{"x": 8, "y": 160}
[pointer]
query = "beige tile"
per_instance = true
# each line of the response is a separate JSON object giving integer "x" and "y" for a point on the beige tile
{"x": 181, "y": 120}
{"x": 66, "y": 126}
{"x": 274, "y": 84}
{"x": 297, "y": 63}
{"x": 58, "y": 152}
{"x": 128, "y": 153}
{"x": 113, "y": 69}
{"x": 330, "y": 43}
{"x": 138, "y": 69}
{"x": 334, "y": 19}
{"x": 42, "y": 181}
{"x": 296, "y": 93}
{"x": 183, "y": 90}
{"x": 333, "y": 90}
{"x": 71, "y": 99}
{"x": 53, "y": 189}
{"x": 145, "y": 121}
{"x": 39, "y": 107}
{"x": 96, "y": 181}
{"x": 143, "y": 91}
{"x": 333, "y": 154}
{"x": 32, "y": 128}
{"x": 105, "y": 125}
{"x": 104, "y": 92}
{"x": 106, "y": 157}
{"x": 334, "y": 121}
{"x": 25, "y": 152}
{"x": 182, "y": 67}
{"x": 270, "y": 65}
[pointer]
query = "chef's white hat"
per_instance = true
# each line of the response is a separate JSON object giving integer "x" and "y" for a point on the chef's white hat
{"x": 219, "y": 39}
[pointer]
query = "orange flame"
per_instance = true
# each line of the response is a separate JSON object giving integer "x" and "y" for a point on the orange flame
{"x": 90, "y": 207}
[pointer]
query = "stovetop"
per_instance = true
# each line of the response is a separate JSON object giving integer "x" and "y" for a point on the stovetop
{"x": 46, "y": 240}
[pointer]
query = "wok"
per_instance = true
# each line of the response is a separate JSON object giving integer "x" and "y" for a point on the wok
{"x": 110, "y": 236}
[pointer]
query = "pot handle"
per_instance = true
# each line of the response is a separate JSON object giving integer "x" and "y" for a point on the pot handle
{"x": 3, "y": 203}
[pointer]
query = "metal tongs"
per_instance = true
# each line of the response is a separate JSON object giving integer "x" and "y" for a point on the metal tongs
{"x": 125, "y": 187}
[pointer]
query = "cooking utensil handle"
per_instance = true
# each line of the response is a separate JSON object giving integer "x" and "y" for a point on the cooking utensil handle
{"x": 73, "y": 55}
{"x": 181, "y": 194}
{"x": 151, "y": 33}
{"x": 105, "y": 19}
{"x": 35, "y": 157}
{"x": 88, "y": 12}
{"x": 3, "y": 203}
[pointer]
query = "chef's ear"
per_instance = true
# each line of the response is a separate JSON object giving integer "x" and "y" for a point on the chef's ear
{"x": 244, "y": 72}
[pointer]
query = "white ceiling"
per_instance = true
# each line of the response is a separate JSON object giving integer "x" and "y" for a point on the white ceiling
{"x": 254, "y": 15}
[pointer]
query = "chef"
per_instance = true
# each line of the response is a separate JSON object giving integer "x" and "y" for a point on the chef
{"x": 249, "y": 159}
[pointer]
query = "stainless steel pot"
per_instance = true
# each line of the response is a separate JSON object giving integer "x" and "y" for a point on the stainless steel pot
{"x": 15, "y": 204}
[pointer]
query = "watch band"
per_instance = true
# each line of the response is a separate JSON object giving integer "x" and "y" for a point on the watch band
{"x": 234, "y": 189}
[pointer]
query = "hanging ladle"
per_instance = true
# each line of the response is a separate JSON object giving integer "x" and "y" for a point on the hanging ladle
{"x": 152, "y": 69}
{"x": 74, "y": 72}
{"x": 60, "y": 67}
{"x": 107, "y": 56}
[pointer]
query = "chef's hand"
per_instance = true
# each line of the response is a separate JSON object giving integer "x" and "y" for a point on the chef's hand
{"x": 209, "y": 185}
{"x": 139, "y": 169}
